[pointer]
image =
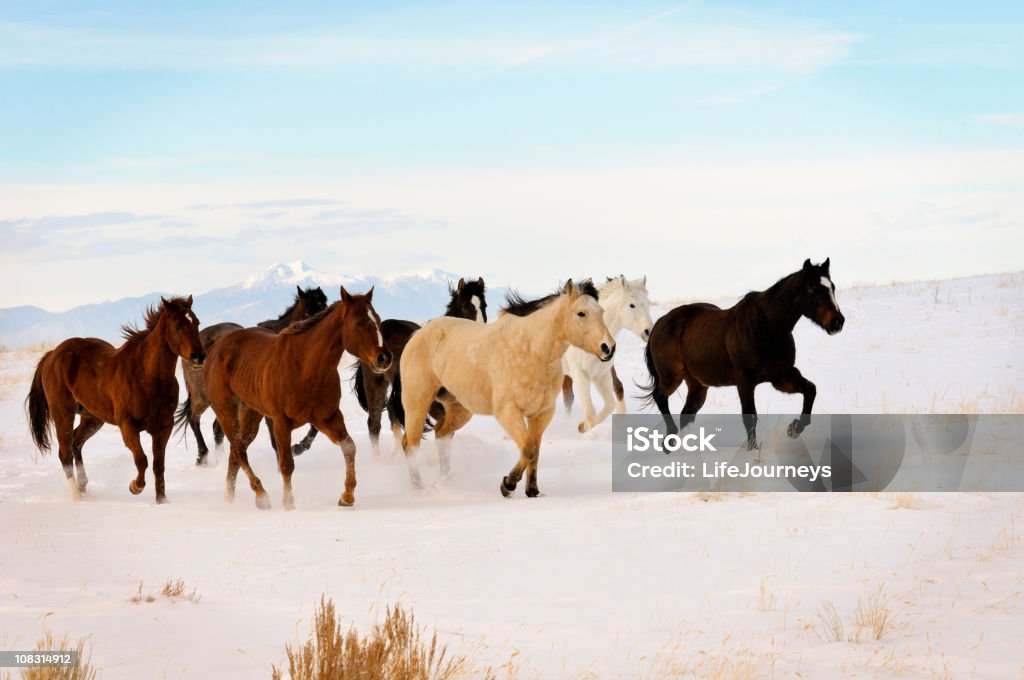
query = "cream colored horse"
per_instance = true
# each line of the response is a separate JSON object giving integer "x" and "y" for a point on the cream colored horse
{"x": 511, "y": 369}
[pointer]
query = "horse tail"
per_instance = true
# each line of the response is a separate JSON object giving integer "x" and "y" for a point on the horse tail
{"x": 567, "y": 394}
{"x": 359, "y": 387}
{"x": 651, "y": 388}
{"x": 38, "y": 409}
{"x": 183, "y": 416}
{"x": 395, "y": 409}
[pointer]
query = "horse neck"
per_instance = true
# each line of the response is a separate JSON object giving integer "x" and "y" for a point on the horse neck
{"x": 322, "y": 341}
{"x": 155, "y": 354}
{"x": 547, "y": 337}
{"x": 780, "y": 305}
{"x": 293, "y": 314}
{"x": 612, "y": 316}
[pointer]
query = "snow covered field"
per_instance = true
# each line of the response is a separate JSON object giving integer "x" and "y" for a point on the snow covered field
{"x": 579, "y": 583}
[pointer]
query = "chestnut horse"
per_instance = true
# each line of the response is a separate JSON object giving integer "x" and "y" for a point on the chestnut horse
{"x": 748, "y": 344}
{"x": 307, "y": 303}
{"x": 132, "y": 387}
{"x": 511, "y": 369}
{"x": 468, "y": 301}
{"x": 291, "y": 378}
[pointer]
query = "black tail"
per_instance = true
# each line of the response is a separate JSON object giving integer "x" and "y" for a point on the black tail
{"x": 358, "y": 387}
{"x": 39, "y": 410}
{"x": 183, "y": 416}
{"x": 396, "y": 412}
{"x": 650, "y": 389}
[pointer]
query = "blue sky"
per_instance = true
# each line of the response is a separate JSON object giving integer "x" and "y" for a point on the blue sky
{"x": 461, "y": 122}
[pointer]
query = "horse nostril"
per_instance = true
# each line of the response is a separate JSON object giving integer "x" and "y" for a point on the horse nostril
{"x": 383, "y": 359}
{"x": 647, "y": 333}
{"x": 837, "y": 324}
{"x": 198, "y": 357}
{"x": 604, "y": 348}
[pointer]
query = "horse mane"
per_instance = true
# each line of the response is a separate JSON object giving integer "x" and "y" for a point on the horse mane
{"x": 150, "y": 318}
{"x": 516, "y": 305}
{"x": 755, "y": 295}
{"x": 291, "y": 308}
{"x": 307, "y": 324}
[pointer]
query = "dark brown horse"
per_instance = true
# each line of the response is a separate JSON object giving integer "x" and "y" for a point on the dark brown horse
{"x": 468, "y": 301}
{"x": 132, "y": 387}
{"x": 291, "y": 378}
{"x": 307, "y": 303}
{"x": 748, "y": 344}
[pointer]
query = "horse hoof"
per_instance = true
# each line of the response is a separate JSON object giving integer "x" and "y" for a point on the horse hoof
{"x": 201, "y": 460}
{"x": 135, "y": 488}
{"x": 505, "y": 490}
{"x": 794, "y": 429}
{"x": 297, "y": 450}
{"x": 160, "y": 500}
{"x": 288, "y": 503}
{"x": 582, "y": 427}
{"x": 347, "y": 500}
{"x": 263, "y": 502}
{"x": 533, "y": 493}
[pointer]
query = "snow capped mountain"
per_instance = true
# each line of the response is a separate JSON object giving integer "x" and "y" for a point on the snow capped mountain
{"x": 265, "y": 295}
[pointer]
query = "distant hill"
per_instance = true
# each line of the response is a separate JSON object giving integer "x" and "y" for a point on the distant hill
{"x": 258, "y": 297}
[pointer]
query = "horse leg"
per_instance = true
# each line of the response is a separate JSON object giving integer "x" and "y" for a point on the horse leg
{"x": 512, "y": 419}
{"x": 455, "y": 418}
{"x": 418, "y": 395}
{"x": 248, "y": 428}
{"x": 62, "y": 410}
{"x": 793, "y": 382}
{"x": 193, "y": 423}
{"x": 199, "y": 403}
{"x": 307, "y": 441}
{"x": 567, "y": 393}
{"x": 130, "y": 435}
{"x": 745, "y": 387}
{"x": 376, "y": 388}
{"x": 160, "y": 438}
{"x": 334, "y": 428}
{"x": 270, "y": 431}
{"x": 218, "y": 433}
{"x": 88, "y": 425}
{"x": 604, "y": 388}
{"x": 285, "y": 461}
{"x": 583, "y": 381}
{"x": 535, "y": 428}
{"x": 620, "y": 393}
{"x": 696, "y": 393}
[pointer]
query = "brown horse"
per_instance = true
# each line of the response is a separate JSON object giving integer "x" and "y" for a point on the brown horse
{"x": 291, "y": 378}
{"x": 307, "y": 303}
{"x": 748, "y": 344}
{"x": 468, "y": 301}
{"x": 132, "y": 387}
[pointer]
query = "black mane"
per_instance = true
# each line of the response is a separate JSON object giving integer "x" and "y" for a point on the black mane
{"x": 150, "y": 319}
{"x": 516, "y": 305}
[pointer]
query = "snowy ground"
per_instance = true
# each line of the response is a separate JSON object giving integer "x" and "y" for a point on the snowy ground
{"x": 579, "y": 583}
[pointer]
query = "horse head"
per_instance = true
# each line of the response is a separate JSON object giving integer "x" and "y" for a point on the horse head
{"x": 361, "y": 331}
{"x": 817, "y": 297}
{"x": 584, "y": 322}
{"x": 469, "y": 300}
{"x": 313, "y": 301}
{"x": 181, "y": 330}
{"x": 627, "y": 301}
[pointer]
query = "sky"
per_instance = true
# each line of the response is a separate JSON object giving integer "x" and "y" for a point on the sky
{"x": 711, "y": 146}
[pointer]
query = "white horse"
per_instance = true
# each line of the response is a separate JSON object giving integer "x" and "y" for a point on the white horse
{"x": 625, "y": 305}
{"x": 510, "y": 369}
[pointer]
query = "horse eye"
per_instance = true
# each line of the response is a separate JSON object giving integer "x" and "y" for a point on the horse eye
{"x": 581, "y": 314}
{"x": 632, "y": 306}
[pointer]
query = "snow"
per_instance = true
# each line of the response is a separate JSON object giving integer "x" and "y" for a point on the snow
{"x": 579, "y": 583}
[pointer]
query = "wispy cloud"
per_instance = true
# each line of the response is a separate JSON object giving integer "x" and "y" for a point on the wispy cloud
{"x": 1006, "y": 119}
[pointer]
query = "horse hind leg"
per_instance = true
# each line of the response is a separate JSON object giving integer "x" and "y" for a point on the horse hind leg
{"x": 696, "y": 394}
{"x": 218, "y": 433}
{"x": 62, "y": 410}
{"x": 305, "y": 442}
{"x": 535, "y": 431}
{"x": 455, "y": 418}
{"x": 285, "y": 460}
{"x": 88, "y": 425}
{"x": 514, "y": 423}
{"x": 335, "y": 429}
{"x": 793, "y": 382}
{"x": 130, "y": 435}
{"x": 567, "y": 392}
{"x": 586, "y": 401}
{"x": 376, "y": 389}
{"x": 605, "y": 389}
{"x": 620, "y": 393}
{"x": 248, "y": 428}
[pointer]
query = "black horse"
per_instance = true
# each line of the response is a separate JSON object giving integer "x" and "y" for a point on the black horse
{"x": 468, "y": 301}
{"x": 748, "y": 344}
{"x": 307, "y": 303}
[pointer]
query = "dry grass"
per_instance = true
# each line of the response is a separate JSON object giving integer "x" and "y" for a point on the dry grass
{"x": 766, "y": 599}
{"x": 728, "y": 661}
{"x": 82, "y": 671}
{"x": 1007, "y": 539}
{"x": 394, "y": 650}
{"x": 138, "y": 596}
{"x": 872, "y": 617}
{"x": 175, "y": 589}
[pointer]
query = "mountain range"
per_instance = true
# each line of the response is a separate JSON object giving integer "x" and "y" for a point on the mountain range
{"x": 262, "y": 296}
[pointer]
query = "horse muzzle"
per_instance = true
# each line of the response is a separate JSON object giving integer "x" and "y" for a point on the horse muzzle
{"x": 383, "y": 362}
{"x": 606, "y": 352}
{"x": 197, "y": 359}
{"x": 836, "y": 324}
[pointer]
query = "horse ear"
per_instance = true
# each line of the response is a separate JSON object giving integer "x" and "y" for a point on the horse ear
{"x": 462, "y": 284}
{"x": 622, "y": 279}
{"x": 298, "y": 289}
{"x": 645, "y": 281}
{"x": 571, "y": 290}
{"x": 345, "y": 297}
{"x": 163, "y": 301}
{"x": 188, "y": 302}
{"x": 369, "y": 294}
{"x": 808, "y": 267}
{"x": 481, "y": 282}
{"x": 824, "y": 266}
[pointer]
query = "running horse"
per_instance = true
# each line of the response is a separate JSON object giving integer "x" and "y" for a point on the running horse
{"x": 292, "y": 378}
{"x": 468, "y": 301}
{"x": 132, "y": 386}
{"x": 307, "y": 303}
{"x": 511, "y": 369}
{"x": 746, "y": 345}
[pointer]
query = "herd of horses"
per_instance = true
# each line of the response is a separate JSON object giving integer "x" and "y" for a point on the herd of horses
{"x": 284, "y": 372}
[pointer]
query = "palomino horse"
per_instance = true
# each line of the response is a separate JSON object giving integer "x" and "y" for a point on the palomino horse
{"x": 132, "y": 387}
{"x": 291, "y": 378}
{"x": 748, "y": 344}
{"x": 468, "y": 301}
{"x": 510, "y": 369}
{"x": 625, "y": 305}
{"x": 307, "y": 303}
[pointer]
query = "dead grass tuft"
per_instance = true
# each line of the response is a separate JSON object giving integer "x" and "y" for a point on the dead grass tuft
{"x": 394, "y": 650}
{"x": 872, "y": 616}
{"x": 175, "y": 589}
{"x": 82, "y": 671}
{"x": 138, "y": 596}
